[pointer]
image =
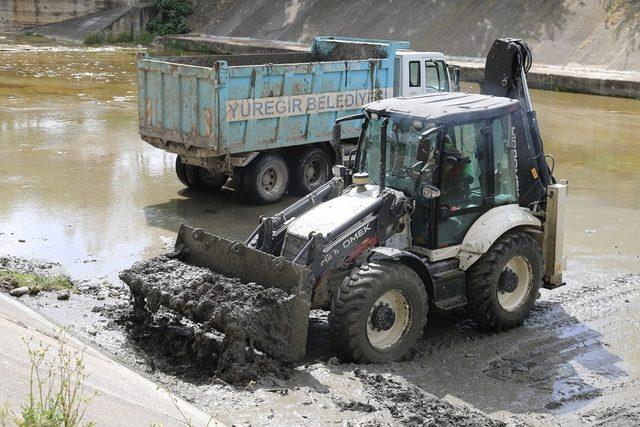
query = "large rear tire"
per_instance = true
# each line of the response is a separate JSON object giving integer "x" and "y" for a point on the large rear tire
{"x": 266, "y": 179}
{"x": 378, "y": 313}
{"x": 181, "y": 171}
{"x": 201, "y": 178}
{"x": 503, "y": 285}
{"x": 309, "y": 170}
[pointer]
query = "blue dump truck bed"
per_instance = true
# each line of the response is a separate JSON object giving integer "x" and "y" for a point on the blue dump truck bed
{"x": 230, "y": 104}
{"x": 220, "y": 113}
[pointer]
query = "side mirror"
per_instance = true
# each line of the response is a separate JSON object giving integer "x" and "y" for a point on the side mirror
{"x": 430, "y": 192}
{"x": 337, "y": 134}
{"x": 456, "y": 79}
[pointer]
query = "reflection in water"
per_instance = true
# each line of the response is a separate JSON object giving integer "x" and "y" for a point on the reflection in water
{"x": 80, "y": 187}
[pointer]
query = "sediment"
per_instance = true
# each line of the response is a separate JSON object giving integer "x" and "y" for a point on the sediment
{"x": 411, "y": 405}
{"x": 255, "y": 321}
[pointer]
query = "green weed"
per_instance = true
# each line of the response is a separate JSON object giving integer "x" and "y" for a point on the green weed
{"x": 13, "y": 279}
{"x": 56, "y": 388}
{"x": 92, "y": 39}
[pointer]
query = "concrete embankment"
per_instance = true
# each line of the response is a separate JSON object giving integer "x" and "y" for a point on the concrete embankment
{"x": 125, "y": 20}
{"x": 122, "y": 397}
{"x": 624, "y": 84}
{"x": 16, "y": 15}
{"x": 601, "y": 34}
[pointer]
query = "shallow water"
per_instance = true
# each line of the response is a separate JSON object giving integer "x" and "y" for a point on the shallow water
{"x": 79, "y": 186}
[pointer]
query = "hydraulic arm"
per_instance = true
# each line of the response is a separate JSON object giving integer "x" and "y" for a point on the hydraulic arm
{"x": 505, "y": 71}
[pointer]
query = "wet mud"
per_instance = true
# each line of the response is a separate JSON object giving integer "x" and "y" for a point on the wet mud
{"x": 411, "y": 405}
{"x": 237, "y": 325}
{"x": 571, "y": 361}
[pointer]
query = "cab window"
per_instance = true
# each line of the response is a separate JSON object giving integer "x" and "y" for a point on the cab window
{"x": 504, "y": 153}
{"x": 410, "y": 162}
{"x": 465, "y": 181}
{"x": 414, "y": 73}
{"x": 436, "y": 76}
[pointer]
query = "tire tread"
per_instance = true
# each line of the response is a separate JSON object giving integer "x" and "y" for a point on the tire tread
{"x": 481, "y": 301}
{"x": 352, "y": 294}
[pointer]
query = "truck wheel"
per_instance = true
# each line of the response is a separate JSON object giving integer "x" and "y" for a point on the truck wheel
{"x": 265, "y": 180}
{"x": 378, "y": 313}
{"x": 309, "y": 170}
{"x": 503, "y": 285}
{"x": 181, "y": 171}
{"x": 201, "y": 178}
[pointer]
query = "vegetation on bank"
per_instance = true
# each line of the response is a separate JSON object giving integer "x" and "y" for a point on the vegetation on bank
{"x": 623, "y": 14}
{"x": 145, "y": 37}
{"x": 56, "y": 395}
{"x": 13, "y": 279}
{"x": 171, "y": 18}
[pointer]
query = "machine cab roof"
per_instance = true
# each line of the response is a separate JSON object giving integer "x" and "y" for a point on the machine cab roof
{"x": 444, "y": 107}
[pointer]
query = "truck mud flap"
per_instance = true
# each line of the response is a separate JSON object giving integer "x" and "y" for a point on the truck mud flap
{"x": 197, "y": 247}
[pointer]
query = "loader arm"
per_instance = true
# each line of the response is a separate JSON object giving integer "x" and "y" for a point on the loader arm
{"x": 338, "y": 249}
{"x": 269, "y": 235}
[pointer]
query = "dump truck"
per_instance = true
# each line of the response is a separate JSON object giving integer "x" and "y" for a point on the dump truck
{"x": 266, "y": 118}
{"x": 450, "y": 204}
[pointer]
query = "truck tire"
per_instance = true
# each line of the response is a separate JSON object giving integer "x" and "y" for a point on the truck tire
{"x": 266, "y": 179}
{"x": 309, "y": 170}
{"x": 181, "y": 171}
{"x": 201, "y": 178}
{"x": 378, "y": 313}
{"x": 502, "y": 286}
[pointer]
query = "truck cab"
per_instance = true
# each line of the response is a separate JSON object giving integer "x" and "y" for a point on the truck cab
{"x": 419, "y": 73}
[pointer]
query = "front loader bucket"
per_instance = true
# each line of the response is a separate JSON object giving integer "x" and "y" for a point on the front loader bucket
{"x": 234, "y": 259}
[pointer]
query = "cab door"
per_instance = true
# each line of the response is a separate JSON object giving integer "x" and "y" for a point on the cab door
{"x": 436, "y": 76}
{"x": 422, "y": 74}
{"x": 466, "y": 180}
{"x": 413, "y": 81}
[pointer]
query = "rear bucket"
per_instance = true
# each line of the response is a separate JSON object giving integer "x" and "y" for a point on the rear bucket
{"x": 236, "y": 260}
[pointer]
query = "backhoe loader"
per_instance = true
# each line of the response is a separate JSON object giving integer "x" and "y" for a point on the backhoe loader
{"x": 450, "y": 203}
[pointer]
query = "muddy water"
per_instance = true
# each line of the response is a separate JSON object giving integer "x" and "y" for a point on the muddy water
{"x": 78, "y": 186}
{"x": 76, "y": 182}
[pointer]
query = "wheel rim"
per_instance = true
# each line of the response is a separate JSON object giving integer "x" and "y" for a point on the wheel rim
{"x": 269, "y": 180}
{"x": 389, "y": 320}
{"x": 514, "y": 283}
{"x": 314, "y": 172}
{"x": 210, "y": 178}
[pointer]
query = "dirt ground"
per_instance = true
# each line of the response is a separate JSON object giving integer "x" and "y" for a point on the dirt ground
{"x": 574, "y": 360}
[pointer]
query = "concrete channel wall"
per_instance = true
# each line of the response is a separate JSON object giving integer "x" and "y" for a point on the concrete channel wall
{"x": 623, "y": 84}
{"x": 579, "y": 33}
{"x": 115, "y": 22}
{"x": 17, "y": 15}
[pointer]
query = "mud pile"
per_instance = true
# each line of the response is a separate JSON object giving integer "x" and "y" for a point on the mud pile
{"x": 253, "y": 320}
{"x": 411, "y": 405}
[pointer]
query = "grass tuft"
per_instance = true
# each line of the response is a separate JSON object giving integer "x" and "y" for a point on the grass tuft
{"x": 13, "y": 279}
{"x": 92, "y": 39}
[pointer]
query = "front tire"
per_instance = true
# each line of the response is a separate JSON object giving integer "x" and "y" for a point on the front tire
{"x": 378, "y": 313}
{"x": 502, "y": 286}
